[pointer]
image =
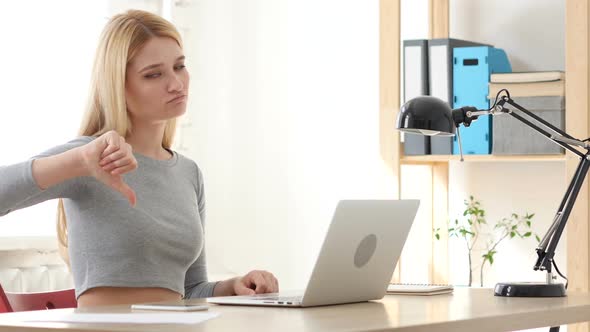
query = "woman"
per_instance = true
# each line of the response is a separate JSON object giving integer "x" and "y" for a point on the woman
{"x": 135, "y": 209}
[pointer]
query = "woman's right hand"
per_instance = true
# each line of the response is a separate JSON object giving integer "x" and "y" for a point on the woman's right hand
{"x": 107, "y": 158}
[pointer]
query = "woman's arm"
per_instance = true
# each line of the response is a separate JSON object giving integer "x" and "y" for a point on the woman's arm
{"x": 54, "y": 173}
{"x": 196, "y": 283}
{"x": 56, "y": 169}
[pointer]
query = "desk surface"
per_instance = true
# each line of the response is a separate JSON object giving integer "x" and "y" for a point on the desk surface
{"x": 465, "y": 310}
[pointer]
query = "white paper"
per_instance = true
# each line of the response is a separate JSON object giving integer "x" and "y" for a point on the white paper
{"x": 125, "y": 318}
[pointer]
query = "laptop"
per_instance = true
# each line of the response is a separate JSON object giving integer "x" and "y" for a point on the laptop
{"x": 356, "y": 261}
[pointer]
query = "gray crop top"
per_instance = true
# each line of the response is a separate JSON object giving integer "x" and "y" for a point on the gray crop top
{"x": 157, "y": 243}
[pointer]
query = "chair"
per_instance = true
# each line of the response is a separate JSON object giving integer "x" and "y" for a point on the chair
{"x": 4, "y": 304}
{"x": 39, "y": 301}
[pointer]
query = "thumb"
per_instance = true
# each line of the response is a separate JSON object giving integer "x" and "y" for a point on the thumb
{"x": 119, "y": 185}
{"x": 241, "y": 289}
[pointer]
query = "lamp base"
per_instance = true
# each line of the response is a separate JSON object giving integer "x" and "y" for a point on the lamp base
{"x": 529, "y": 289}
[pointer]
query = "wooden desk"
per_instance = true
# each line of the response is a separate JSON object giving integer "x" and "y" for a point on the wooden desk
{"x": 465, "y": 310}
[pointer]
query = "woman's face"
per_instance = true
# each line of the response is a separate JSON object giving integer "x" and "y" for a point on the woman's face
{"x": 156, "y": 86}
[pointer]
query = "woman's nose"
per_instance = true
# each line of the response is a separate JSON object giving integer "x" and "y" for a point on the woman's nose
{"x": 175, "y": 84}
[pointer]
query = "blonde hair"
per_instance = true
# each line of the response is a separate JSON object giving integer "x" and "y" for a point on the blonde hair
{"x": 106, "y": 109}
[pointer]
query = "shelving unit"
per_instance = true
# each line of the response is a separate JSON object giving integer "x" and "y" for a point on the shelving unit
{"x": 427, "y": 159}
{"x": 577, "y": 124}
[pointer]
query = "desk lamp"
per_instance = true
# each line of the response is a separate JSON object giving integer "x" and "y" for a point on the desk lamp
{"x": 431, "y": 116}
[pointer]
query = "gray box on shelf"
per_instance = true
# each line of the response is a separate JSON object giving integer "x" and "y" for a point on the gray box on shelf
{"x": 510, "y": 136}
{"x": 441, "y": 145}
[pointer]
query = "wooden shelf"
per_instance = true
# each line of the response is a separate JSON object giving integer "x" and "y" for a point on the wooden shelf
{"x": 577, "y": 71}
{"x": 428, "y": 159}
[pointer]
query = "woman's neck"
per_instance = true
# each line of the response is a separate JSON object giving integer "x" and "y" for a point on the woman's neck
{"x": 147, "y": 140}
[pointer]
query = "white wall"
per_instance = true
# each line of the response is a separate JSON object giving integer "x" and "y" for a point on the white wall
{"x": 283, "y": 120}
{"x": 47, "y": 59}
{"x": 532, "y": 32}
{"x": 284, "y": 123}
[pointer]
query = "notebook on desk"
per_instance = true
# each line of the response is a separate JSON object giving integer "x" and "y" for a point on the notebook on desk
{"x": 357, "y": 259}
{"x": 418, "y": 289}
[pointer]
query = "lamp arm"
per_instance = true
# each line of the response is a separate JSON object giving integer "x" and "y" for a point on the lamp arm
{"x": 466, "y": 115}
{"x": 546, "y": 249}
{"x": 547, "y": 246}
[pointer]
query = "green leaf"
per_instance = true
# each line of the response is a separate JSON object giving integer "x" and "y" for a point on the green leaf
{"x": 489, "y": 257}
{"x": 512, "y": 234}
{"x": 527, "y": 234}
{"x": 538, "y": 238}
{"x": 528, "y": 223}
{"x": 437, "y": 236}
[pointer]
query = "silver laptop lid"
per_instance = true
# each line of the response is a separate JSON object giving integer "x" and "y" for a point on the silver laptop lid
{"x": 360, "y": 251}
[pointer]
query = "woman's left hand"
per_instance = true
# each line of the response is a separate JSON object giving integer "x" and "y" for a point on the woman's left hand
{"x": 256, "y": 282}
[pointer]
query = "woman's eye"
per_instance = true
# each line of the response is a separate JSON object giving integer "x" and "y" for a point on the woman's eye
{"x": 154, "y": 75}
{"x": 180, "y": 67}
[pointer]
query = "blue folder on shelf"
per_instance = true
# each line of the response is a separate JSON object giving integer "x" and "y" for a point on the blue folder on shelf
{"x": 472, "y": 67}
{"x": 440, "y": 80}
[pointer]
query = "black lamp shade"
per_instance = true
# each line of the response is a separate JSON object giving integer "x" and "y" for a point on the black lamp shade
{"x": 426, "y": 115}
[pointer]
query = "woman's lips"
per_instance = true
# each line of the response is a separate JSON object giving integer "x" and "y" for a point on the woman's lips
{"x": 177, "y": 99}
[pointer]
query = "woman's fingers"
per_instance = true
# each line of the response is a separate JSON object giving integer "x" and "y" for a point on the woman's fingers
{"x": 261, "y": 284}
{"x": 118, "y": 159}
{"x": 258, "y": 282}
{"x": 124, "y": 169}
{"x": 113, "y": 152}
{"x": 118, "y": 154}
{"x": 111, "y": 147}
{"x": 122, "y": 187}
{"x": 108, "y": 159}
{"x": 117, "y": 163}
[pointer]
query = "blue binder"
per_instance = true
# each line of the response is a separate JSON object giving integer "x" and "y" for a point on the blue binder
{"x": 440, "y": 80}
{"x": 472, "y": 67}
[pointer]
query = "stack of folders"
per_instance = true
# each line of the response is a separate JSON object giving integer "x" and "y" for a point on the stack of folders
{"x": 528, "y": 84}
{"x": 418, "y": 289}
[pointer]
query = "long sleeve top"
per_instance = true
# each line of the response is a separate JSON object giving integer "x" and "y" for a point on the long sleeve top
{"x": 157, "y": 243}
